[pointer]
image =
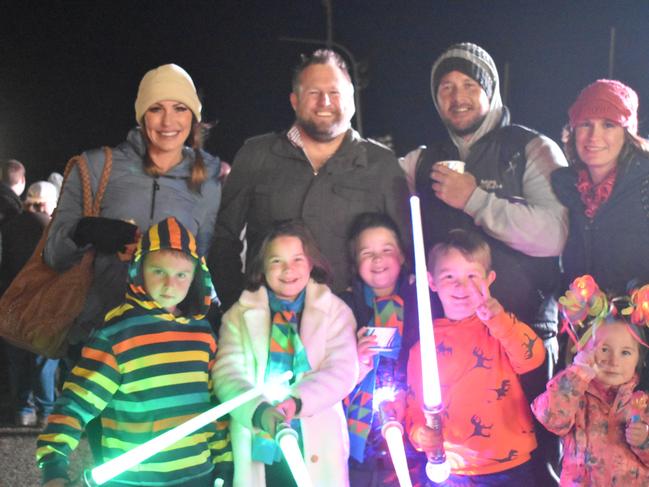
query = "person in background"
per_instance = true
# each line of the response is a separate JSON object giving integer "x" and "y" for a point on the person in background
{"x": 12, "y": 185}
{"x": 288, "y": 320}
{"x": 57, "y": 180}
{"x": 146, "y": 371}
{"x": 382, "y": 296}
{"x": 32, "y": 377}
{"x": 320, "y": 171}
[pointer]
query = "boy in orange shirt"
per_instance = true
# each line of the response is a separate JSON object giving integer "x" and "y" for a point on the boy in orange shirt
{"x": 481, "y": 350}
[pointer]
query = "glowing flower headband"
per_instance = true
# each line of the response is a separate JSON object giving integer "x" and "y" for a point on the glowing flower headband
{"x": 585, "y": 306}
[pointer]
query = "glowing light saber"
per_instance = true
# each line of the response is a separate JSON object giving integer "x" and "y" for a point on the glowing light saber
{"x": 392, "y": 431}
{"x": 429, "y": 376}
{"x": 112, "y": 468}
{"x": 286, "y": 437}
{"x": 437, "y": 467}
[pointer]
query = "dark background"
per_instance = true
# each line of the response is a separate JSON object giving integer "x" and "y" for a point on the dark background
{"x": 69, "y": 70}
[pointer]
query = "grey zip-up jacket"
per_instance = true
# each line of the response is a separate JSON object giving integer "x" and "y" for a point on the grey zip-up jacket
{"x": 135, "y": 196}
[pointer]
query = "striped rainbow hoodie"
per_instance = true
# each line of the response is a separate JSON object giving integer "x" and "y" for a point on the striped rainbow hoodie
{"x": 144, "y": 372}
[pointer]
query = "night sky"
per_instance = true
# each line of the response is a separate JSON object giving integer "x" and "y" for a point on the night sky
{"x": 70, "y": 69}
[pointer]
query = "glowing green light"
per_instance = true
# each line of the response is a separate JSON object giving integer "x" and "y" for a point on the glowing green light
{"x": 286, "y": 438}
{"x": 103, "y": 473}
{"x": 392, "y": 431}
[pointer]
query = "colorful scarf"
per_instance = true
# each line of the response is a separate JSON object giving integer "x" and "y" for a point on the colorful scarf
{"x": 594, "y": 195}
{"x": 388, "y": 312}
{"x": 286, "y": 353}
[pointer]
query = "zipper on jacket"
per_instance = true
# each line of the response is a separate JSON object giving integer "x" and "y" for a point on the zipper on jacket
{"x": 156, "y": 188}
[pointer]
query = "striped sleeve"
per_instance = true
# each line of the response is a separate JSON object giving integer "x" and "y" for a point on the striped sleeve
{"x": 220, "y": 443}
{"x": 88, "y": 389}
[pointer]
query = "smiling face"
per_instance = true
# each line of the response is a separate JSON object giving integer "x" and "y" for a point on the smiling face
{"x": 455, "y": 279}
{"x": 462, "y": 103}
{"x": 379, "y": 259}
{"x": 616, "y": 354}
{"x": 599, "y": 143}
{"x": 167, "y": 124}
{"x": 287, "y": 268}
{"x": 324, "y": 102}
{"x": 168, "y": 275}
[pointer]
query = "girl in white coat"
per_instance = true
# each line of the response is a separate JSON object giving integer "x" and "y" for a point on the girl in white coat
{"x": 288, "y": 319}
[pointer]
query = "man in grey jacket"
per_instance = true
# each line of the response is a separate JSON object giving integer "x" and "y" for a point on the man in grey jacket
{"x": 320, "y": 171}
{"x": 504, "y": 194}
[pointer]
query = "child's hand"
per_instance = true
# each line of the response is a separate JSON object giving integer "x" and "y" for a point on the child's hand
{"x": 488, "y": 307}
{"x": 426, "y": 439}
{"x": 636, "y": 433}
{"x": 586, "y": 356}
{"x": 269, "y": 420}
{"x": 364, "y": 346}
{"x": 288, "y": 408}
{"x": 282, "y": 413}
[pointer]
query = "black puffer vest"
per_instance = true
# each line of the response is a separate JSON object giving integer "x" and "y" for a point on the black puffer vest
{"x": 524, "y": 285}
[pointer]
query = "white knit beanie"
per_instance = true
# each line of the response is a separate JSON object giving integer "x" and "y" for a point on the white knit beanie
{"x": 43, "y": 190}
{"x": 167, "y": 82}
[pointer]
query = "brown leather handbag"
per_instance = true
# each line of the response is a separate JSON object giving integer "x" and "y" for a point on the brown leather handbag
{"x": 40, "y": 305}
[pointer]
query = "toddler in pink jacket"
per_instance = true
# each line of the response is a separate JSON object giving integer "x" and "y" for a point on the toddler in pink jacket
{"x": 593, "y": 404}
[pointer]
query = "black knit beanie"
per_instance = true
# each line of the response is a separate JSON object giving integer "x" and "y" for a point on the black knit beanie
{"x": 471, "y": 69}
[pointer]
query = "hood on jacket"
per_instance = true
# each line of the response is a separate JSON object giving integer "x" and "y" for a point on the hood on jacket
{"x": 170, "y": 234}
{"x": 474, "y": 54}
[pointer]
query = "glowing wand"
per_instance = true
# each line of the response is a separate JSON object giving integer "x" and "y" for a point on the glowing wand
{"x": 392, "y": 431}
{"x": 286, "y": 437}
{"x": 112, "y": 468}
{"x": 437, "y": 468}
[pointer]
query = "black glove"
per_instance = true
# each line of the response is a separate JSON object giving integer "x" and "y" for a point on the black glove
{"x": 107, "y": 235}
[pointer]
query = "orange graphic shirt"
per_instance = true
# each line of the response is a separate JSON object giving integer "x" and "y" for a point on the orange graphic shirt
{"x": 486, "y": 419}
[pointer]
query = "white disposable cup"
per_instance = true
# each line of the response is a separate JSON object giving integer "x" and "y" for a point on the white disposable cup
{"x": 457, "y": 166}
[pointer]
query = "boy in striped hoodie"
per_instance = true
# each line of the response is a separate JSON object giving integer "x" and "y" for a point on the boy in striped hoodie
{"x": 146, "y": 371}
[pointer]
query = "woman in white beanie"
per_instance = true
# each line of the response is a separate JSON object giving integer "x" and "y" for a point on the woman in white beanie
{"x": 158, "y": 172}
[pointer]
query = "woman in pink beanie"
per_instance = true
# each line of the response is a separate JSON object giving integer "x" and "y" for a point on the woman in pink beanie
{"x": 606, "y": 188}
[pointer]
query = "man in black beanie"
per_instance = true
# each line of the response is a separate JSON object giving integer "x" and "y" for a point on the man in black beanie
{"x": 504, "y": 193}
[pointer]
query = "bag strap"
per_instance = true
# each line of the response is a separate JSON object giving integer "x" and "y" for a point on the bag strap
{"x": 103, "y": 180}
{"x": 90, "y": 207}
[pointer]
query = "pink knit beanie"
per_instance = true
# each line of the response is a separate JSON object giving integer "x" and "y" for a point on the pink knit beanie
{"x": 609, "y": 99}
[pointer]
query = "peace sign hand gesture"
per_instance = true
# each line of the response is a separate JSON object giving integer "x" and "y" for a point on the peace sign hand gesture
{"x": 488, "y": 306}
